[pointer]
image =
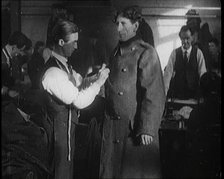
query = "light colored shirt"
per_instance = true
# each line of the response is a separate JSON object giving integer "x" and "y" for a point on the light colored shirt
{"x": 56, "y": 82}
{"x": 169, "y": 69}
{"x": 7, "y": 55}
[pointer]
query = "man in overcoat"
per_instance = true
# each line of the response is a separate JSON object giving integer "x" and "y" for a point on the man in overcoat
{"x": 135, "y": 103}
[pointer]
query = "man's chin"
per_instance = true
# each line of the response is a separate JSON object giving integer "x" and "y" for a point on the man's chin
{"x": 186, "y": 47}
{"x": 122, "y": 39}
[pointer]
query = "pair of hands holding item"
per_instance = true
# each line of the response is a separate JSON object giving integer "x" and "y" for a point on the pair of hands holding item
{"x": 102, "y": 75}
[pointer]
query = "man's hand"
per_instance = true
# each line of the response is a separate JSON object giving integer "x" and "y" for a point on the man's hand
{"x": 146, "y": 139}
{"x": 103, "y": 75}
{"x": 4, "y": 90}
{"x": 13, "y": 93}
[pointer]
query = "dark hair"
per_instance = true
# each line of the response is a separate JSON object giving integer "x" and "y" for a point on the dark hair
{"x": 28, "y": 44}
{"x": 62, "y": 29}
{"x": 193, "y": 14}
{"x": 18, "y": 39}
{"x": 185, "y": 28}
{"x": 214, "y": 40}
{"x": 38, "y": 44}
{"x": 132, "y": 12}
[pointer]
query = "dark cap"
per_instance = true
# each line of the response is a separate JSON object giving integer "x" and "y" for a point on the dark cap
{"x": 193, "y": 14}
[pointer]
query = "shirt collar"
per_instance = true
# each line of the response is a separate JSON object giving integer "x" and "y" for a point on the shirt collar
{"x": 62, "y": 59}
{"x": 188, "y": 50}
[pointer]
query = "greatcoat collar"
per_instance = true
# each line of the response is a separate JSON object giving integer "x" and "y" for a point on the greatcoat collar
{"x": 127, "y": 46}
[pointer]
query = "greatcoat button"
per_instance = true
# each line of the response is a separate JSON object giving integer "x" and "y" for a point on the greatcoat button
{"x": 124, "y": 70}
{"x": 118, "y": 117}
{"x": 120, "y": 93}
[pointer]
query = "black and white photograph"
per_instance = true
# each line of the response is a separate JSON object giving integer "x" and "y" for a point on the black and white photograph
{"x": 111, "y": 89}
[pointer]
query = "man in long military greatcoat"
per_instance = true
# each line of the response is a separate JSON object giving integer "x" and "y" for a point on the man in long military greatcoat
{"x": 135, "y": 103}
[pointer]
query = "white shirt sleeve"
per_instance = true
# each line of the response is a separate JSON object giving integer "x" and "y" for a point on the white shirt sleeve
{"x": 57, "y": 83}
{"x": 168, "y": 72}
{"x": 201, "y": 63}
{"x": 78, "y": 78}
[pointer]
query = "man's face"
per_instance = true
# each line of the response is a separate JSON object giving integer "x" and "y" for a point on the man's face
{"x": 17, "y": 51}
{"x": 186, "y": 39}
{"x": 213, "y": 49}
{"x": 69, "y": 46}
{"x": 125, "y": 28}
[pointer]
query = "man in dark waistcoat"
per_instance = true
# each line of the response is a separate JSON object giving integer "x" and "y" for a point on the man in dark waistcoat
{"x": 135, "y": 101}
{"x": 17, "y": 43}
{"x": 66, "y": 96}
{"x": 185, "y": 67}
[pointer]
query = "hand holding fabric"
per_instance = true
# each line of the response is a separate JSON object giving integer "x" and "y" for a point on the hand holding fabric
{"x": 146, "y": 139}
{"x": 103, "y": 75}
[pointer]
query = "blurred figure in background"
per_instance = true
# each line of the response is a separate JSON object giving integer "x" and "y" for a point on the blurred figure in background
{"x": 204, "y": 131}
{"x": 17, "y": 44}
{"x": 144, "y": 30}
{"x": 96, "y": 55}
{"x": 215, "y": 57}
{"x": 19, "y": 65}
{"x": 201, "y": 33}
{"x": 36, "y": 64}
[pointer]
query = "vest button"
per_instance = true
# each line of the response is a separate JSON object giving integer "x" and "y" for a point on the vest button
{"x": 116, "y": 141}
{"x": 120, "y": 93}
{"x": 124, "y": 70}
{"x": 133, "y": 48}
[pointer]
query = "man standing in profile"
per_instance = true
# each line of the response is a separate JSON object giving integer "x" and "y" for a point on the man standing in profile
{"x": 64, "y": 88}
{"x": 135, "y": 102}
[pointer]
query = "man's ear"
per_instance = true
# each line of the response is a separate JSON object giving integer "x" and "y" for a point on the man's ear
{"x": 136, "y": 25}
{"x": 61, "y": 42}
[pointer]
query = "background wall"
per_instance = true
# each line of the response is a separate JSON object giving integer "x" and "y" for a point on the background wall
{"x": 165, "y": 18}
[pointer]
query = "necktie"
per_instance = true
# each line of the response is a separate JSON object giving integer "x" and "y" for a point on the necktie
{"x": 185, "y": 57}
{"x": 70, "y": 68}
